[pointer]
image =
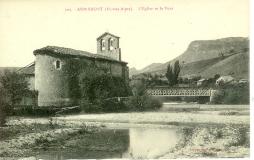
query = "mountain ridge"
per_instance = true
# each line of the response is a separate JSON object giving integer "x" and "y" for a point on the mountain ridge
{"x": 201, "y": 51}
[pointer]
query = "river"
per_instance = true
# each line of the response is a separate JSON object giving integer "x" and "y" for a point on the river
{"x": 153, "y": 141}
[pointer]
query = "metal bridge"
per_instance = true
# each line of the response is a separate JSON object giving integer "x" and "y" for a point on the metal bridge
{"x": 177, "y": 92}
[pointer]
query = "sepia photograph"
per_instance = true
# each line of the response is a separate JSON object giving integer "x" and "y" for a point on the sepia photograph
{"x": 166, "y": 79}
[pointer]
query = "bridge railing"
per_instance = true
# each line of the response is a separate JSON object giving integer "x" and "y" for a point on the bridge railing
{"x": 178, "y": 92}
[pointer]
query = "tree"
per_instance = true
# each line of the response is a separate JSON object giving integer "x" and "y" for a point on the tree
{"x": 216, "y": 76}
{"x": 3, "y": 106}
{"x": 176, "y": 71}
{"x": 15, "y": 86}
{"x": 170, "y": 75}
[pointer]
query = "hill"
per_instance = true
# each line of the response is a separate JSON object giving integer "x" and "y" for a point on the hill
{"x": 134, "y": 71}
{"x": 210, "y": 57}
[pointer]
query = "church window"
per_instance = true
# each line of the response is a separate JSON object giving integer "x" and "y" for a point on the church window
{"x": 111, "y": 42}
{"x": 103, "y": 46}
{"x": 58, "y": 64}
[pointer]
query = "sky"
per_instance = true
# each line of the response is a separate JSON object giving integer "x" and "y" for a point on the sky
{"x": 147, "y": 35}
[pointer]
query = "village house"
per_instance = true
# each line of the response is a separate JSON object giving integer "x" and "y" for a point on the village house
{"x": 49, "y": 77}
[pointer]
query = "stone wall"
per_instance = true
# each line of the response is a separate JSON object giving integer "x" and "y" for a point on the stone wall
{"x": 53, "y": 84}
{"x": 114, "y": 53}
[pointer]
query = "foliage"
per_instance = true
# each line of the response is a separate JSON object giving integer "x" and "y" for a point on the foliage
{"x": 173, "y": 73}
{"x": 73, "y": 70}
{"x": 4, "y": 106}
{"x": 140, "y": 101}
{"x": 13, "y": 87}
{"x": 176, "y": 71}
{"x": 138, "y": 87}
{"x": 232, "y": 94}
{"x": 98, "y": 87}
{"x": 102, "y": 86}
{"x": 216, "y": 76}
{"x": 236, "y": 94}
{"x": 143, "y": 103}
{"x": 29, "y": 110}
{"x": 170, "y": 75}
{"x": 150, "y": 80}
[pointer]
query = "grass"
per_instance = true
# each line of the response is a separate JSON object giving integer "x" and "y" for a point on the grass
{"x": 213, "y": 141}
{"x": 98, "y": 144}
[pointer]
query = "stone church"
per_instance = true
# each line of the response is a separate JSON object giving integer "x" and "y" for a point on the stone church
{"x": 48, "y": 76}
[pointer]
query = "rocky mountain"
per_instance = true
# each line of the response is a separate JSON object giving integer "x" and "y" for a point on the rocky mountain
{"x": 226, "y": 56}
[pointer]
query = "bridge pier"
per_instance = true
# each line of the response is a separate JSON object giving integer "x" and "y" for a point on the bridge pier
{"x": 212, "y": 95}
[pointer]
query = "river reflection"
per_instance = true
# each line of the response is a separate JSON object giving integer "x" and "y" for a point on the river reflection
{"x": 151, "y": 143}
{"x": 127, "y": 143}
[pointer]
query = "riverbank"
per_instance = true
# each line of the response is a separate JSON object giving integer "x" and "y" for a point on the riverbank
{"x": 224, "y": 131}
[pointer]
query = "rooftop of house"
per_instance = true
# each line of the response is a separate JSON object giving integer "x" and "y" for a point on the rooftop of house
{"x": 27, "y": 70}
{"x": 62, "y": 51}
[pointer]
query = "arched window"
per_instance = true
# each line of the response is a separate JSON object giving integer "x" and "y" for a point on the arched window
{"x": 111, "y": 43}
{"x": 103, "y": 45}
{"x": 58, "y": 64}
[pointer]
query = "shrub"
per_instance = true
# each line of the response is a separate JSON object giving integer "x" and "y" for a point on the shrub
{"x": 143, "y": 103}
{"x": 236, "y": 95}
{"x": 112, "y": 106}
{"x": 2, "y": 113}
{"x": 232, "y": 94}
{"x": 34, "y": 110}
{"x": 5, "y": 108}
{"x": 89, "y": 107}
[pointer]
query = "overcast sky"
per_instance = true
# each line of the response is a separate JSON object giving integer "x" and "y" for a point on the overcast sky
{"x": 147, "y": 36}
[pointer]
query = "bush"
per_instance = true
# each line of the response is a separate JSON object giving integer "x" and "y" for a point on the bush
{"x": 5, "y": 108}
{"x": 2, "y": 115}
{"x": 232, "y": 94}
{"x": 99, "y": 90}
{"x": 236, "y": 95}
{"x": 143, "y": 103}
{"x": 34, "y": 110}
{"x": 90, "y": 107}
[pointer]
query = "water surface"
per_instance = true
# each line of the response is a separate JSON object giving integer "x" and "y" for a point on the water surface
{"x": 122, "y": 143}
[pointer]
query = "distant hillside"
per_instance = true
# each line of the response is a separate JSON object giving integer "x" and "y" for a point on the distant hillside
{"x": 8, "y": 68}
{"x": 209, "y": 57}
{"x": 148, "y": 68}
{"x": 208, "y": 49}
{"x": 236, "y": 65}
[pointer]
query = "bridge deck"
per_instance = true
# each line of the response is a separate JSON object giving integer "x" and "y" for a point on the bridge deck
{"x": 178, "y": 92}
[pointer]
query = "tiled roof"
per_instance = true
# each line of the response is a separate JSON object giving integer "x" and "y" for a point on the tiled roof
{"x": 108, "y": 34}
{"x": 28, "y": 70}
{"x": 71, "y": 52}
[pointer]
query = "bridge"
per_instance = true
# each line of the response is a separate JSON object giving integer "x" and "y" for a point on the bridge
{"x": 177, "y": 92}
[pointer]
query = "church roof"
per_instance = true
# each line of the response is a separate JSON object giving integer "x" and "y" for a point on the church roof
{"x": 107, "y": 33}
{"x": 61, "y": 51}
{"x": 27, "y": 70}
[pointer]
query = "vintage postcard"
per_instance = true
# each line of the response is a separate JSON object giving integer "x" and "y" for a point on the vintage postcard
{"x": 167, "y": 79}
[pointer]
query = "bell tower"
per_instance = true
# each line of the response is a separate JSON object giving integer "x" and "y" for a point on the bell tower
{"x": 108, "y": 45}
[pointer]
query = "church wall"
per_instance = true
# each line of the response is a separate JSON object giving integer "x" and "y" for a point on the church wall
{"x": 117, "y": 69}
{"x": 51, "y": 83}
